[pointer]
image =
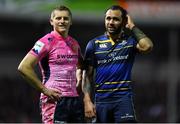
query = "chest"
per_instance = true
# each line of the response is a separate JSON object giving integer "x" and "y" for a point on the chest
{"x": 109, "y": 51}
{"x": 63, "y": 53}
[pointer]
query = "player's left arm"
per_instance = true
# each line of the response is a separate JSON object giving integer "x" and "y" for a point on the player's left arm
{"x": 144, "y": 44}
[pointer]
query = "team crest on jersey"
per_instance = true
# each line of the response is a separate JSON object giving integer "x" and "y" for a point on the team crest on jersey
{"x": 103, "y": 45}
{"x": 50, "y": 39}
{"x": 38, "y": 47}
{"x": 69, "y": 43}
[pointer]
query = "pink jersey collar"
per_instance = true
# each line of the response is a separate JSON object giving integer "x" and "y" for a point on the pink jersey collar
{"x": 58, "y": 36}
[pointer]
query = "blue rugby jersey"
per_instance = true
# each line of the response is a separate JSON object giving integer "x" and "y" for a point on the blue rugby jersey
{"x": 113, "y": 64}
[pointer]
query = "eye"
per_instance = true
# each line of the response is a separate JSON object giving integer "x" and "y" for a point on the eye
{"x": 58, "y": 18}
{"x": 108, "y": 18}
{"x": 116, "y": 19}
{"x": 66, "y": 18}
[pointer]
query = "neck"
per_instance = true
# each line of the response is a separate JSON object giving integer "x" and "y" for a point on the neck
{"x": 114, "y": 37}
{"x": 63, "y": 34}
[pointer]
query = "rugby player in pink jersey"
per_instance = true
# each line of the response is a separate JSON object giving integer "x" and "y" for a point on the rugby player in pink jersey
{"x": 60, "y": 61}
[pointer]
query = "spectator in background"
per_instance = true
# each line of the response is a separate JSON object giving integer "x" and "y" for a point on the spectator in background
{"x": 112, "y": 55}
{"x": 60, "y": 61}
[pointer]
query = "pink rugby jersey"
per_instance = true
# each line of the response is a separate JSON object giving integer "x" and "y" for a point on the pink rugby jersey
{"x": 58, "y": 58}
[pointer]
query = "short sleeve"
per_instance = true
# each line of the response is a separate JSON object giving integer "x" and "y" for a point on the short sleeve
{"x": 39, "y": 49}
{"x": 89, "y": 54}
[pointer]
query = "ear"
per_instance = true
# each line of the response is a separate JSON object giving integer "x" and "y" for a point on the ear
{"x": 51, "y": 21}
{"x": 71, "y": 22}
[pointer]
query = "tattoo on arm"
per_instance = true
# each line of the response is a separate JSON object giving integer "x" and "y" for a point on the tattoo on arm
{"x": 87, "y": 87}
{"x": 138, "y": 33}
{"x": 87, "y": 80}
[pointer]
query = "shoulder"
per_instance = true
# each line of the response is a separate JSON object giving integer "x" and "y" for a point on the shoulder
{"x": 91, "y": 44}
{"x": 132, "y": 40}
{"x": 73, "y": 42}
{"x": 100, "y": 38}
{"x": 128, "y": 35}
{"x": 43, "y": 44}
{"x": 73, "y": 39}
{"x": 47, "y": 39}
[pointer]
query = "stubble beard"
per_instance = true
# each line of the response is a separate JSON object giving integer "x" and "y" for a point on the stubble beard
{"x": 115, "y": 32}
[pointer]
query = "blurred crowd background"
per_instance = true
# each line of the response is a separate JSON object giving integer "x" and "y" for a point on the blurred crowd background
{"x": 156, "y": 75}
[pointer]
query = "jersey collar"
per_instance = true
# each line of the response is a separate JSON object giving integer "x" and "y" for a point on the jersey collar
{"x": 58, "y": 36}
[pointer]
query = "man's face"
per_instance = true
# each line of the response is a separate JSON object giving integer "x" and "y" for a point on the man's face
{"x": 61, "y": 21}
{"x": 113, "y": 21}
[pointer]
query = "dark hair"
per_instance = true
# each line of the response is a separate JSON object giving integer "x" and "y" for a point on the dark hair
{"x": 61, "y": 8}
{"x": 117, "y": 7}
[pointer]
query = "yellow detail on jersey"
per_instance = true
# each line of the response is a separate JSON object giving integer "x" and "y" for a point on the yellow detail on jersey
{"x": 112, "y": 42}
{"x": 102, "y": 52}
{"x": 110, "y": 90}
{"x": 120, "y": 82}
{"x": 105, "y": 41}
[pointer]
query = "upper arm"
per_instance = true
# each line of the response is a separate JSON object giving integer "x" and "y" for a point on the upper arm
{"x": 89, "y": 56}
{"x": 89, "y": 72}
{"x": 39, "y": 50}
{"x": 80, "y": 64}
{"x": 29, "y": 61}
{"x": 89, "y": 61}
{"x": 87, "y": 77}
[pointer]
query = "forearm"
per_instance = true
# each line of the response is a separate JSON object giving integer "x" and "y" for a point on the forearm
{"x": 86, "y": 87}
{"x": 79, "y": 75}
{"x": 30, "y": 76}
{"x": 144, "y": 43}
{"x": 138, "y": 33}
{"x": 79, "y": 69}
{"x": 87, "y": 92}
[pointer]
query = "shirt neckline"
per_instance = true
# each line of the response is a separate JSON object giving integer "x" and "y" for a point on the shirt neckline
{"x": 58, "y": 36}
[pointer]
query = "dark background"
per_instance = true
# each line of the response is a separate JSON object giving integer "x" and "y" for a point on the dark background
{"x": 155, "y": 75}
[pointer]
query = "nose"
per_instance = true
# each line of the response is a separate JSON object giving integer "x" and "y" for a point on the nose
{"x": 111, "y": 21}
{"x": 62, "y": 20}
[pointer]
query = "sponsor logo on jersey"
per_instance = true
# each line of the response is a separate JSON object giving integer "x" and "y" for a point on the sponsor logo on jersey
{"x": 117, "y": 58}
{"x": 67, "y": 56}
{"x": 112, "y": 54}
{"x": 124, "y": 42}
{"x": 64, "y": 59}
{"x": 38, "y": 47}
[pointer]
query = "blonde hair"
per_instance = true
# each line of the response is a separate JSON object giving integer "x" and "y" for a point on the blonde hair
{"x": 61, "y": 8}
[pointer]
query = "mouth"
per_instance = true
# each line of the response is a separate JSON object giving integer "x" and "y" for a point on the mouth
{"x": 111, "y": 28}
{"x": 62, "y": 26}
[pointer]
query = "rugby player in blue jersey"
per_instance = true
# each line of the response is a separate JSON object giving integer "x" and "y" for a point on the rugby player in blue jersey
{"x": 110, "y": 58}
